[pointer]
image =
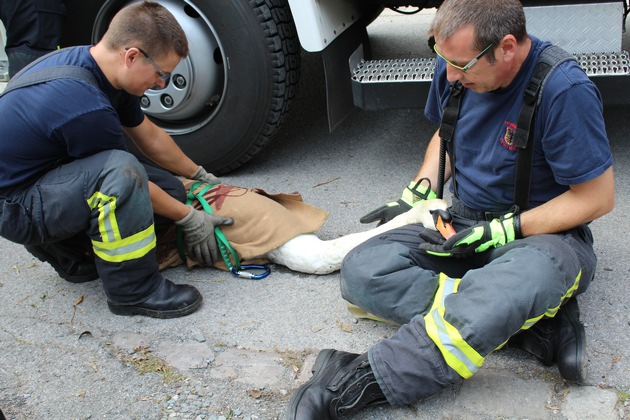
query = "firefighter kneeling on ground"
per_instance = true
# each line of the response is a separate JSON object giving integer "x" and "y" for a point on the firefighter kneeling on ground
{"x": 69, "y": 189}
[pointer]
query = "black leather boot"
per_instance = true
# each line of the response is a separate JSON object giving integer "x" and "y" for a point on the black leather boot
{"x": 342, "y": 383}
{"x": 170, "y": 300}
{"x": 69, "y": 258}
{"x": 560, "y": 339}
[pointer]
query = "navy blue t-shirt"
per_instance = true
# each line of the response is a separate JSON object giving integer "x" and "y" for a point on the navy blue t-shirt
{"x": 61, "y": 120}
{"x": 571, "y": 146}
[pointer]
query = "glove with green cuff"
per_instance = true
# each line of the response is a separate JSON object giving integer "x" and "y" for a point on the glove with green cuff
{"x": 412, "y": 195}
{"x": 475, "y": 239}
{"x": 203, "y": 175}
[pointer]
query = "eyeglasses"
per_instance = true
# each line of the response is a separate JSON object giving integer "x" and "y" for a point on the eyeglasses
{"x": 467, "y": 66}
{"x": 164, "y": 76}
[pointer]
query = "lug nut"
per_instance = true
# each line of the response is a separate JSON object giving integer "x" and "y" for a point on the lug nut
{"x": 167, "y": 101}
{"x": 179, "y": 81}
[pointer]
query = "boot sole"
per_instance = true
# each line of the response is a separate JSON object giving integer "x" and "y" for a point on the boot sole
{"x": 318, "y": 370}
{"x": 130, "y": 310}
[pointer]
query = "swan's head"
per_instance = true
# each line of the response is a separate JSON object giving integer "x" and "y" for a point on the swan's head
{"x": 443, "y": 222}
{"x": 421, "y": 213}
{"x": 433, "y": 214}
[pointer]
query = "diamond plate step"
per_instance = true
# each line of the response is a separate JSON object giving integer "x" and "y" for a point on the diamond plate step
{"x": 578, "y": 26}
{"x": 404, "y": 83}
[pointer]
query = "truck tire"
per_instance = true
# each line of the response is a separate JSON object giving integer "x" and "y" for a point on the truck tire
{"x": 228, "y": 98}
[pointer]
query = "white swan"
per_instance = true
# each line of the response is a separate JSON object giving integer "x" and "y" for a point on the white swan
{"x": 309, "y": 254}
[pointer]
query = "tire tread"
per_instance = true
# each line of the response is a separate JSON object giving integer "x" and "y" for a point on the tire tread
{"x": 282, "y": 42}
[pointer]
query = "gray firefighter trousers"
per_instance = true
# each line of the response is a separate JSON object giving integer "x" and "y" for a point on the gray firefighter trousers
{"x": 454, "y": 312}
{"x": 102, "y": 201}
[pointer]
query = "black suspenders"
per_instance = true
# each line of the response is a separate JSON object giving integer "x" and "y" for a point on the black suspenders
{"x": 21, "y": 80}
{"x": 36, "y": 77}
{"x": 447, "y": 131}
{"x": 549, "y": 59}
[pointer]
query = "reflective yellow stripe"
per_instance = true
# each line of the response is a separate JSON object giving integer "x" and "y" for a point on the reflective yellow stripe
{"x": 456, "y": 352}
{"x": 446, "y": 286}
{"x": 531, "y": 321}
{"x": 113, "y": 247}
{"x": 107, "y": 224}
{"x": 131, "y": 248}
{"x": 551, "y": 312}
{"x": 461, "y": 357}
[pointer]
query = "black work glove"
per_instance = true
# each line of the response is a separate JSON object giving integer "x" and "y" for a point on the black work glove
{"x": 475, "y": 239}
{"x": 432, "y": 237}
{"x": 198, "y": 227}
{"x": 412, "y": 195}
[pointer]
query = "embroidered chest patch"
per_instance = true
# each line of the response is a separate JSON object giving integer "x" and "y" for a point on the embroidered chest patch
{"x": 507, "y": 140}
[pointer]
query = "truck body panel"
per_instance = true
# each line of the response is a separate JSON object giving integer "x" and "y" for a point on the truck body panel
{"x": 319, "y": 22}
{"x": 578, "y": 28}
{"x": 230, "y": 96}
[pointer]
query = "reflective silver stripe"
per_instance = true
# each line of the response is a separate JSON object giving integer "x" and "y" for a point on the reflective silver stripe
{"x": 448, "y": 345}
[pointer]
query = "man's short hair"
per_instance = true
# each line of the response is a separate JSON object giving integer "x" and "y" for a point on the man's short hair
{"x": 491, "y": 19}
{"x": 149, "y": 26}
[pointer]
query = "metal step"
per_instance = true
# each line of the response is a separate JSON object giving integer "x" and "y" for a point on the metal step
{"x": 606, "y": 64}
{"x": 392, "y": 84}
{"x": 404, "y": 83}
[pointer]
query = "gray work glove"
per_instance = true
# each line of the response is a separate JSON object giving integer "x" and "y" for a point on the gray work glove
{"x": 202, "y": 175}
{"x": 198, "y": 227}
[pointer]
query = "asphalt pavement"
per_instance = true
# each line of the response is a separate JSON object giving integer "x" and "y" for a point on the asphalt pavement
{"x": 63, "y": 355}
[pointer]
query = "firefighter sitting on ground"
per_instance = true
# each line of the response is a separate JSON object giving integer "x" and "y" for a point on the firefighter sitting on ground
{"x": 505, "y": 271}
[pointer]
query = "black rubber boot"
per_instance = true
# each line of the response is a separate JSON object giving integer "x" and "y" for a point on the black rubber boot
{"x": 170, "y": 300}
{"x": 342, "y": 383}
{"x": 71, "y": 259}
{"x": 559, "y": 340}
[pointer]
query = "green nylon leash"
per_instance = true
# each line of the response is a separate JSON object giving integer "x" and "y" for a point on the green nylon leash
{"x": 227, "y": 251}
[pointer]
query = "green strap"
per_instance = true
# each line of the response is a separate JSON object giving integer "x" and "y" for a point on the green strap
{"x": 225, "y": 248}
